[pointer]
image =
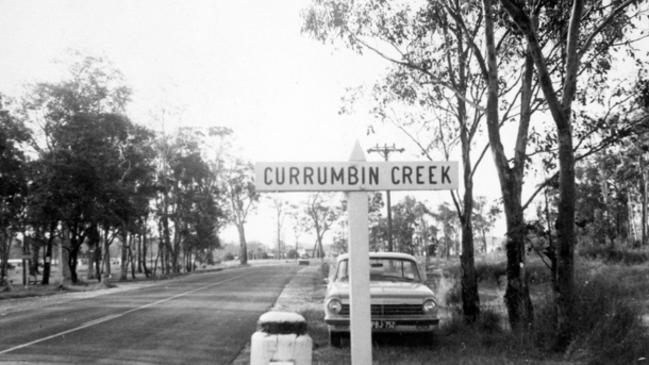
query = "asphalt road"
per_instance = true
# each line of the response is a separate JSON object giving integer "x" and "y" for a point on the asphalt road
{"x": 198, "y": 319}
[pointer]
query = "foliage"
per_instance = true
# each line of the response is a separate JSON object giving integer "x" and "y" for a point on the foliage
{"x": 484, "y": 218}
{"x": 13, "y": 182}
{"x": 240, "y": 197}
{"x": 449, "y": 221}
{"x": 607, "y": 323}
{"x": 322, "y": 214}
{"x": 95, "y": 175}
{"x": 612, "y": 255}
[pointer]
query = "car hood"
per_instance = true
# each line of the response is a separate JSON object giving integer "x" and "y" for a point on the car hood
{"x": 380, "y": 289}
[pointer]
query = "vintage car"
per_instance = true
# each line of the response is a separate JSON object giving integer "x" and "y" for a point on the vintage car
{"x": 400, "y": 301}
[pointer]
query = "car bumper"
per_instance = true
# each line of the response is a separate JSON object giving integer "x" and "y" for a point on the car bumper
{"x": 387, "y": 324}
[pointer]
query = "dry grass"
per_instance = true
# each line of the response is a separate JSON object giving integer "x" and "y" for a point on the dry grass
{"x": 608, "y": 329}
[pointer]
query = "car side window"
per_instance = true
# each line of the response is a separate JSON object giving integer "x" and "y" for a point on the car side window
{"x": 341, "y": 272}
{"x": 409, "y": 271}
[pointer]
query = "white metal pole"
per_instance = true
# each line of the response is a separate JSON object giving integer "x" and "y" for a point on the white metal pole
{"x": 360, "y": 320}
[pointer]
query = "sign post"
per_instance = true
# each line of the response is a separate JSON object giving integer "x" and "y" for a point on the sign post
{"x": 359, "y": 280}
{"x": 357, "y": 177}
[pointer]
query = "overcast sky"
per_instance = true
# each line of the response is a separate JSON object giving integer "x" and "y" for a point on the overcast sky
{"x": 242, "y": 64}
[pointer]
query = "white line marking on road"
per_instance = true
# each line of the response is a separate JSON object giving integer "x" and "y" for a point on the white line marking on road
{"x": 114, "y": 316}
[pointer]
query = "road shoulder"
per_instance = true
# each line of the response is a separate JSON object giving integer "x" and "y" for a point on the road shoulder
{"x": 300, "y": 294}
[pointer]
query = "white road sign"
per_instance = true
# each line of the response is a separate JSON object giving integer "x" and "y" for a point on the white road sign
{"x": 356, "y": 176}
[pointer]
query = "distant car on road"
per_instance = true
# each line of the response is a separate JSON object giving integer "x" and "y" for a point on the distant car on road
{"x": 400, "y": 301}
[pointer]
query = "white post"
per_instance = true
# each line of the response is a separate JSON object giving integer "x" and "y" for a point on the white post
{"x": 360, "y": 320}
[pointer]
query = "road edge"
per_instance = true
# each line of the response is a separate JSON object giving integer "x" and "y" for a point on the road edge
{"x": 293, "y": 298}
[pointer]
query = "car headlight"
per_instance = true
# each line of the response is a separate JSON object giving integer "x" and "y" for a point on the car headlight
{"x": 334, "y": 305}
{"x": 429, "y": 306}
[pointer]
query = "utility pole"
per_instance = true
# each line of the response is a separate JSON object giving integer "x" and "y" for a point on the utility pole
{"x": 385, "y": 152}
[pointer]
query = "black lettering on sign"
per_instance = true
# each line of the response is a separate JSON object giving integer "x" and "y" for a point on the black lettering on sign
{"x": 445, "y": 170}
{"x": 374, "y": 175}
{"x": 340, "y": 176}
{"x": 294, "y": 172}
{"x": 407, "y": 172}
{"x": 267, "y": 174}
{"x": 322, "y": 175}
{"x": 419, "y": 175}
{"x": 279, "y": 179}
{"x": 308, "y": 175}
{"x": 431, "y": 175}
{"x": 352, "y": 175}
{"x": 394, "y": 174}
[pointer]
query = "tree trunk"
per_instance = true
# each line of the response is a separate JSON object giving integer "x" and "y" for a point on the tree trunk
{"x": 97, "y": 258}
{"x": 47, "y": 260}
{"x": 144, "y": 253}
{"x": 35, "y": 251}
{"x": 517, "y": 295}
{"x": 64, "y": 258}
{"x": 124, "y": 259}
{"x": 131, "y": 258}
{"x": 4, "y": 254}
{"x": 166, "y": 238}
{"x": 566, "y": 238}
{"x": 470, "y": 298}
{"x": 105, "y": 277}
{"x": 243, "y": 245}
{"x": 138, "y": 254}
{"x": 484, "y": 241}
{"x": 73, "y": 259}
{"x": 93, "y": 246}
{"x": 643, "y": 189}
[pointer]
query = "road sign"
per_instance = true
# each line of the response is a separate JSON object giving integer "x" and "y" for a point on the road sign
{"x": 356, "y": 176}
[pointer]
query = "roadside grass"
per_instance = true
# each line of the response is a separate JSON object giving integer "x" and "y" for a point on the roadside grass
{"x": 484, "y": 343}
{"x": 612, "y": 300}
{"x": 610, "y": 304}
{"x": 615, "y": 255}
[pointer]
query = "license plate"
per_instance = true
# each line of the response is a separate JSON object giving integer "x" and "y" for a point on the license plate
{"x": 383, "y": 324}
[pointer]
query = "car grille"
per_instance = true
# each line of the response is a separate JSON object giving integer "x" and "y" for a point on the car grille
{"x": 390, "y": 309}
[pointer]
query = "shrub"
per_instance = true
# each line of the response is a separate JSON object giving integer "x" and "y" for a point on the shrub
{"x": 487, "y": 271}
{"x": 615, "y": 255}
{"x": 606, "y": 325}
{"x": 537, "y": 271}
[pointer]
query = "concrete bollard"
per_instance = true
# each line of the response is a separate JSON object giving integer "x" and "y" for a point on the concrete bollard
{"x": 281, "y": 338}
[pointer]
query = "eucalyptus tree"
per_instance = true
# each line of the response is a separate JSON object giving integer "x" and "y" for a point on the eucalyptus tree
{"x": 433, "y": 70}
{"x": 449, "y": 221}
{"x": 608, "y": 184}
{"x": 440, "y": 75}
{"x": 484, "y": 218}
{"x": 240, "y": 198}
{"x": 405, "y": 219}
{"x": 188, "y": 212}
{"x": 280, "y": 208}
{"x": 13, "y": 182}
{"x": 62, "y": 113}
{"x": 297, "y": 220}
{"x": 42, "y": 211}
{"x": 322, "y": 211}
{"x": 585, "y": 34}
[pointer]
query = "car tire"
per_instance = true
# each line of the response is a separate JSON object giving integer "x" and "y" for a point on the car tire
{"x": 335, "y": 339}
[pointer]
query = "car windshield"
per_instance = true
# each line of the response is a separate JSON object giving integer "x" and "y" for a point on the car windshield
{"x": 384, "y": 269}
